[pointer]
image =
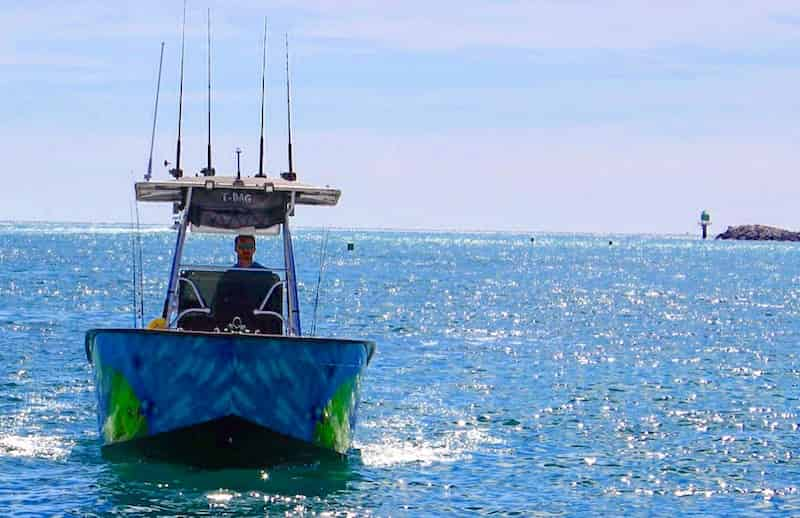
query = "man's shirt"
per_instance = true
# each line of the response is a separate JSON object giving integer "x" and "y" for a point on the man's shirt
{"x": 254, "y": 265}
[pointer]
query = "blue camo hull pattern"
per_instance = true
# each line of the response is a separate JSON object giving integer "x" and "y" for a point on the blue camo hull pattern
{"x": 154, "y": 382}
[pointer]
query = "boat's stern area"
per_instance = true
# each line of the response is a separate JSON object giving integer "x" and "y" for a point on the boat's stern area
{"x": 226, "y": 390}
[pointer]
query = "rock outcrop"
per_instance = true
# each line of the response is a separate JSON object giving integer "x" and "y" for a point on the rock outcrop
{"x": 759, "y": 233}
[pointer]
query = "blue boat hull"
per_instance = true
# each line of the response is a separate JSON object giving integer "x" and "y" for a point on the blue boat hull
{"x": 226, "y": 391}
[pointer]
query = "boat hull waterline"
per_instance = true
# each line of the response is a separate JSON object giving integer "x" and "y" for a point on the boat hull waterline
{"x": 151, "y": 383}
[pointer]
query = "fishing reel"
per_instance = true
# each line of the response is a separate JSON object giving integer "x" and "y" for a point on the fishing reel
{"x": 175, "y": 171}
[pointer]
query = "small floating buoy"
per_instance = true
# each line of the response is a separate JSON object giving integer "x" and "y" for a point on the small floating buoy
{"x": 533, "y": 240}
{"x": 350, "y": 247}
{"x": 610, "y": 243}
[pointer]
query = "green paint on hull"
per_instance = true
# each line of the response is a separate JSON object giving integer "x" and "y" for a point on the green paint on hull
{"x": 333, "y": 429}
{"x": 125, "y": 420}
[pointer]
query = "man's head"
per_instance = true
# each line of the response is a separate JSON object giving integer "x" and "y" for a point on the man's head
{"x": 245, "y": 250}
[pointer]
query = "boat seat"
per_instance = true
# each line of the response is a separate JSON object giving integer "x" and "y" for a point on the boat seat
{"x": 230, "y": 294}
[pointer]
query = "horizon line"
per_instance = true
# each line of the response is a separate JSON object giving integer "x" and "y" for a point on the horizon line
{"x": 529, "y": 232}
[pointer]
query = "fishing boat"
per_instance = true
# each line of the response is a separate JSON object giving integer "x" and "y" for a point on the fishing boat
{"x": 225, "y": 375}
{"x": 228, "y": 372}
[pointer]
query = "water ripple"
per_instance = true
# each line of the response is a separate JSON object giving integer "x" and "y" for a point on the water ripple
{"x": 655, "y": 376}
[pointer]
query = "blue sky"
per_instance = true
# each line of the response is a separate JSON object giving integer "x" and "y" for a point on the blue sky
{"x": 596, "y": 116}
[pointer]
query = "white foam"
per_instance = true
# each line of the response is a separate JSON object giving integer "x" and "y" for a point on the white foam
{"x": 35, "y": 446}
{"x": 457, "y": 445}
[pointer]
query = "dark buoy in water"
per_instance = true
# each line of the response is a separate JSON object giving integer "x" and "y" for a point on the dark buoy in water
{"x": 350, "y": 247}
{"x": 705, "y": 222}
{"x": 533, "y": 240}
{"x": 610, "y": 243}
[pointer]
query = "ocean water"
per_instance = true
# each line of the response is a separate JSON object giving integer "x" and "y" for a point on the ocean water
{"x": 569, "y": 376}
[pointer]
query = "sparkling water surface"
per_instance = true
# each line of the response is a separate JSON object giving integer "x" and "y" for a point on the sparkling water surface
{"x": 566, "y": 376}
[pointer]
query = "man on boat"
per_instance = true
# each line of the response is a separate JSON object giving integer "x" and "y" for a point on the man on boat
{"x": 245, "y": 247}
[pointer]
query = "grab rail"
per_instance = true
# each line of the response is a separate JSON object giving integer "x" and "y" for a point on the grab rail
{"x": 261, "y": 311}
{"x": 196, "y": 291}
{"x": 204, "y": 311}
{"x": 269, "y": 294}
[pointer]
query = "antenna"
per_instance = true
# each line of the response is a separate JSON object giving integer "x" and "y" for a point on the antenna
{"x": 209, "y": 171}
{"x": 155, "y": 117}
{"x": 263, "y": 90}
{"x": 177, "y": 172}
{"x": 290, "y": 176}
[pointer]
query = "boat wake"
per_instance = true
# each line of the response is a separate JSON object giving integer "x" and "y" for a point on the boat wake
{"x": 456, "y": 445}
{"x": 35, "y": 446}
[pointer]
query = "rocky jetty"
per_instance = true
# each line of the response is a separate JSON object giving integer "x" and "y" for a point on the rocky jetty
{"x": 759, "y": 233}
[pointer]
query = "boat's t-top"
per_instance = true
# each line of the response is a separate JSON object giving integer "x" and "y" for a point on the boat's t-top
{"x": 214, "y": 299}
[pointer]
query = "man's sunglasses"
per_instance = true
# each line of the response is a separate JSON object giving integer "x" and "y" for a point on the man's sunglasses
{"x": 246, "y": 246}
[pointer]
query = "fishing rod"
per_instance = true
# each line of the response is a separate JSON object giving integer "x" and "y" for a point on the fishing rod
{"x": 133, "y": 271}
{"x": 177, "y": 172}
{"x": 140, "y": 276}
{"x": 291, "y": 176}
{"x": 155, "y": 117}
{"x": 263, "y": 90}
{"x": 238, "y": 166}
{"x": 209, "y": 171}
{"x": 323, "y": 248}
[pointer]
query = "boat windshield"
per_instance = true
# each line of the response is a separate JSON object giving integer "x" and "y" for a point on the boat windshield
{"x": 219, "y": 251}
{"x": 232, "y": 299}
{"x": 216, "y": 293}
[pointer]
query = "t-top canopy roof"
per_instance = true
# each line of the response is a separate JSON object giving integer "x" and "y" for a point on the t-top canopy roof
{"x": 174, "y": 190}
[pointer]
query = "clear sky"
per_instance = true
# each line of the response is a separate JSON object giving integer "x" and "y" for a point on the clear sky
{"x": 548, "y": 115}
